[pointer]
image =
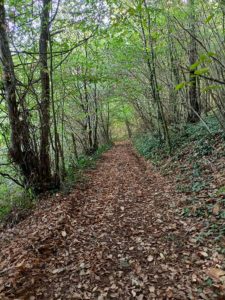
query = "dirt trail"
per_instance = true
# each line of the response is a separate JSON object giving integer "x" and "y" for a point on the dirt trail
{"x": 118, "y": 236}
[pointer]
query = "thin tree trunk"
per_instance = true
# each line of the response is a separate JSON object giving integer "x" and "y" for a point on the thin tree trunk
{"x": 193, "y": 56}
{"x": 151, "y": 63}
{"x": 21, "y": 150}
{"x": 95, "y": 143}
{"x": 10, "y": 89}
{"x": 56, "y": 135}
{"x": 88, "y": 116}
{"x": 45, "y": 168}
{"x": 74, "y": 146}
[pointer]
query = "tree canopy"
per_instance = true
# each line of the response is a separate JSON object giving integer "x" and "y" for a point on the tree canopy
{"x": 77, "y": 74}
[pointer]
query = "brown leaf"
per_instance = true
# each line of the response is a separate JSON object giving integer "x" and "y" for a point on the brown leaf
{"x": 77, "y": 296}
{"x": 169, "y": 292}
{"x": 150, "y": 258}
{"x": 203, "y": 254}
{"x": 152, "y": 289}
{"x": 216, "y": 274}
{"x": 194, "y": 278}
{"x": 56, "y": 271}
{"x": 216, "y": 209}
{"x": 64, "y": 234}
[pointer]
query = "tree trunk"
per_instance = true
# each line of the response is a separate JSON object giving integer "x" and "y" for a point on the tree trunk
{"x": 9, "y": 80}
{"x": 95, "y": 139}
{"x": 21, "y": 150}
{"x": 45, "y": 169}
{"x": 193, "y": 56}
{"x": 151, "y": 64}
{"x": 74, "y": 147}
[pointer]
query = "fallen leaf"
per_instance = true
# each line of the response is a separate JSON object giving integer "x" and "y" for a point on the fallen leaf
{"x": 216, "y": 209}
{"x": 216, "y": 274}
{"x": 162, "y": 256}
{"x": 150, "y": 258}
{"x": 64, "y": 234}
{"x": 56, "y": 271}
{"x": 194, "y": 278}
{"x": 169, "y": 292}
{"x": 77, "y": 296}
{"x": 203, "y": 254}
{"x": 152, "y": 289}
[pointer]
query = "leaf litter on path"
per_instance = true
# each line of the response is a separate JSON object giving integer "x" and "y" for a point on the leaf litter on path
{"x": 120, "y": 237}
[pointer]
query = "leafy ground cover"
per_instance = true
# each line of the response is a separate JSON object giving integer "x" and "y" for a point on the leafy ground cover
{"x": 119, "y": 235}
{"x": 17, "y": 203}
{"x": 201, "y": 136}
{"x": 196, "y": 169}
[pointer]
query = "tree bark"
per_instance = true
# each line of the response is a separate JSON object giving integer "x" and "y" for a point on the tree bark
{"x": 9, "y": 80}
{"x": 45, "y": 168}
{"x": 95, "y": 138}
{"x": 21, "y": 150}
{"x": 193, "y": 56}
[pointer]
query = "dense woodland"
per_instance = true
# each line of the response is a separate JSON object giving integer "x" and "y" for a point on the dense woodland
{"x": 75, "y": 75}
{"x": 112, "y": 149}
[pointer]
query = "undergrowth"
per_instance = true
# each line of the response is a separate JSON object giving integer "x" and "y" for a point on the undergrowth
{"x": 76, "y": 167}
{"x": 151, "y": 146}
{"x": 16, "y": 203}
{"x": 198, "y": 153}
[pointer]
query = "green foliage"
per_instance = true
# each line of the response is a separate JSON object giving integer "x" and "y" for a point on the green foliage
{"x": 209, "y": 18}
{"x": 197, "y": 186}
{"x": 221, "y": 191}
{"x": 212, "y": 231}
{"x": 14, "y": 203}
{"x": 180, "y": 86}
{"x": 204, "y": 147}
{"x": 202, "y": 71}
{"x": 197, "y": 170}
{"x": 154, "y": 148}
{"x": 151, "y": 147}
{"x": 112, "y": 68}
{"x": 75, "y": 169}
{"x": 89, "y": 162}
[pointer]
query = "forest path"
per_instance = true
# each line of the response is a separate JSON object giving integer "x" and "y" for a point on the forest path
{"x": 115, "y": 237}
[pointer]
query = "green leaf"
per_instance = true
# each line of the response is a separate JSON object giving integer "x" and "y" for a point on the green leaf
{"x": 180, "y": 86}
{"x": 211, "y": 87}
{"x": 195, "y": 65}
{"x": 207, "y": 20}
{"x": 211, "y": 53}
{"x": 202, "y": 71}
{"x": 204, "y": 58}
{"x": 132, "y": 11}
